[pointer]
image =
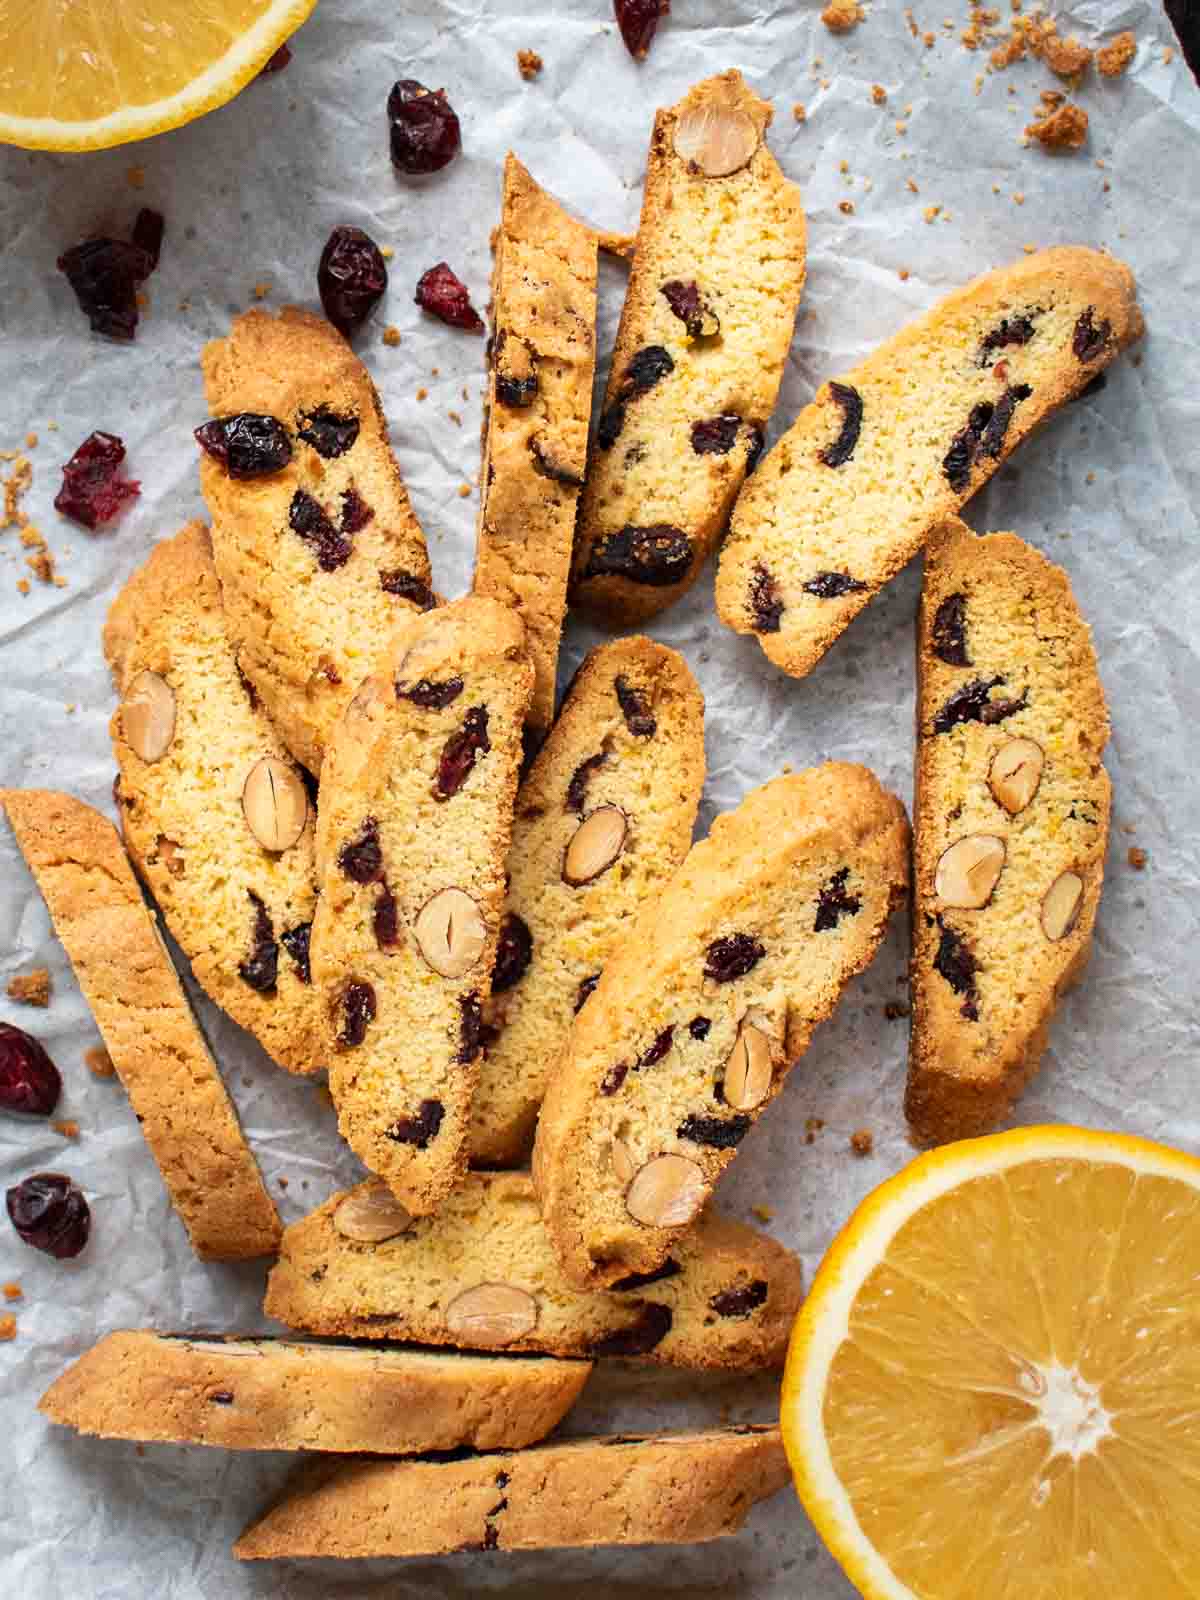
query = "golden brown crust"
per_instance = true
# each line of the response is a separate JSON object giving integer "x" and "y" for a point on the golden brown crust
{"x": 143, "y": 1015}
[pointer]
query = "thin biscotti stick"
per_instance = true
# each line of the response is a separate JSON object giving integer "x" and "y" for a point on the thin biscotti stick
{"x": 279, "y": 1394}
{"x": 143, "y": 1015}
{"x": 617, "y": 1489}
{"x": 413, "y": 833}
{"x": 542, "y": 361}
{"x": 713, "y": 994}
{"x": 1011, "y": 823}
{"x": 603, "y": 818}
{"x": 882, "y": 455}
{"x": 708, "y": 319}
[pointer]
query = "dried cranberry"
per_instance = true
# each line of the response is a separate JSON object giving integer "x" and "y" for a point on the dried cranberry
{"x": 651, "y": 1328}
{"x": 766, "y": 603}
{"x": 351, "y": 278}
{"x": 329, "y": 432}
{"x": 577, "y": 788}
{"x": 425, "y": 132}
{"x": 431, "y": 696}
{"x": 991, "y": 441}
{"x": 955, "y": 961}
{"x": 832, "y": 585}
{"x": 92, "y": 491}
{"x": 421, "y": 1129}
{"x": 657, "y": 556}
{"x": 385, "y": 918}
{"x": 221, "y": 1397}
{"x": 964, "y": 447}
{"x": 647, "y": 367}
{"x": 950, "y": 631}
{"x": 614, "y": 1078}
{"x": 104, "y": 274}
{"x": 357, "y": 1005}
{"x": 1090, "y": 337}
{"x": 278, "y": 61}
{"x": 516, "y": 371}
{"x": 717, "y": 435}
{"x": 247, "y": 444}
{"x": 408, "y": 586}
{"x": 295, "y": 942}
{"x": 29, "y": 1080}
{"x": 658, "y": 1049}
{"x": 833, "y": 903}
{"x": 547, "y": 465}
{"x": 460, "y": 753}
{"x": 147, "y": 236}
{"x": 842, "y": 448}
{"x": 700, "y": 320}
{"x": 514, "y": 949}
{"x": 608, "y": 429}
{"x": 638, "y": 718}
{"x": 740, "y": 1301}
{"x": 585, "y": 991}
{"x": 361, "y": 858}
{"x": 638, "y": 22}
{"x": 356, "y": 513}
{"x": 972, "y": 703}
{"x": 261, "y": 967}
{"x": 308, "y": 519}
{"x": 641, "y": 1280}
{"x": 1010, "y": 331}
{"x": 50, "y": 1213}
{"x": 443, "y": 295}
{"x": 470, "y": 1029}
{"x": 722, "y": 1133}
{"x": 698, "y": 1027}
{"x": 732, "y": 957}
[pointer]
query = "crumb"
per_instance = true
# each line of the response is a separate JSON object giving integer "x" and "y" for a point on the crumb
{"x": 1106, "y": 187}
{"x": 135, "y": 177}
{"x": 11, "y": 1291}
{"x": 911, "y": 20}
{"x": 391, "y": 334}
{"x": 1029, "y": 249}
{"x": 1091, "y": 478}
{"x": 31, "y": 440}
{"x": 1066, "y": 58}
{"x": 930, "y": 40}
{"x": 23, "y": 585}
{"x": 1064, "y": 129}
{"x": 1018, "y": 198}
{"x": 386, "y": 252}
{"x": 812, "y": 1128}
{"x": 1012, "y": 49}
{"x": 902, "y": 274}
{"x": 422, "y": 394}
{"x": 455, "y": 418}
{"x": 798, "y": 111}
{"x": 282, "y": 1182}
{"x": 1113, "y": 58}
{"x": 529, "y": 64}
{"x": 862, "y": 1141}
{"x": 435, "y": 372}
{"x": 30, "y": 988}
{"x": 466, "y": 392}
{"x": 895, "y": 1009}
{"x": 763, "y": 1213}
{"x": 69, "y": 1130}
{"x": 98, "y": 1062}
{"x": 41, "y": 563}
{"x": 878, "y": 94}
{"x": 261, "y": 291}
{"x": 843, "y": 166}
{"x": 8, "y": 1327}
{"x": 912, "y": 185}
{"x": 1168, "y": 55}
{"x": 464, "y": 489}
{"x": 1129, "y": 827}
{"x": 839, "y": 16}
{"x": 1137, "y": 858}
{"x": 143, "y": 300}
{"x": 931, "y": 213}
{"x": 868, "y": 185}
{"x": 902, "y": 127}
{"x": 846, "y": 207}
{"x": 184, "y": 305}
{"x": 1052, "y": 98}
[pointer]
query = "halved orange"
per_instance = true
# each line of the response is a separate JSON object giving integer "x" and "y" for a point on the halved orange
{"x": 85, "y": 74}
{"x": 993, "y": 1389}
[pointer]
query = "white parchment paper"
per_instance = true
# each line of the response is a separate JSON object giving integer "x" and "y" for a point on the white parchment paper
{"x": 1108, "y": 489}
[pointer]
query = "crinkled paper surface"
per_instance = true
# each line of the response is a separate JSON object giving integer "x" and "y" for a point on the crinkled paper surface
{"x": 1108, "y": 489}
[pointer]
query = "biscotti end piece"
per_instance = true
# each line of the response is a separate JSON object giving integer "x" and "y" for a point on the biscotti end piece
{"x": 704, "y": 334}
{"x": 621, "y": 1489}
{"x": 542, "y": 362}
{"x": 414, "y": 830}
{"x": 885, "y": 453}
{"x": 214, "y": 812}
{"x": 143, "y": 1015}
{"x": 712, "y": 996}
{"x": 481, "y": 1274}
{"x": 602, "y": 820}
{"x": 276, "y": 1394}
{"x": 319, "y": 560}
{"x": 1011, "y": 823}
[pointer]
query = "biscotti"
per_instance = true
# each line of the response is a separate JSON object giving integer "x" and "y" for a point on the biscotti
{"x": 276, "y": 1394}
{"x": 413, "y": 834}
{"x": 603, "y": 818}
{"x": 885, "y": 453}
{"x": 214, "y": 811}
{"x": 153, "y": 1039}
{"x": 1010, "y": 823}
{"x": 619, "y": 1489}
{"x": 712, "y": 995}
{"x": 704, "y": 335}
{"x": 542, "y": 361}
{"x": 317, "y": 548}
{"x": 481, "y": 1274}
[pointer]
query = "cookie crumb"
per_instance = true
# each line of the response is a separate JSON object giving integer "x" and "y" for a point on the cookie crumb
{"x": 1018, "y": 198}
{"x": 30, "y": 988}
{"x": 911, "y": 184}
{"x": 763, "y": 1213}
{"x": 878, "y": 94}
{"x": 839, "y": 16}
{"x": 529, "y": 64}
{"x": 98, "y": 1062}
{"x": 862, "y": 1141}
{"x": 895, "y": 1009}
{"x": 8, "y": 1327}
{"x": 23, "y": 585}
{"x": 812, "y": 1127}
{"x": 1113, "y": 58}
{"x": 846, "y": 207}
{"x": 930, "y": 40}
{"x": 261, "y": 291}
{"x": 1064, "y": 129}
{"x": 902, "y": 127}
{"x": 1137, "y": 858}
{"x": 11, "y": 1291}
{"x": 931, "y": 213}
{"x": 386, "y": 251}
{"x": 135, "y": 177}
{"x": 798, "y": 112}
{"x": 282, "y": 1182}
{"x": 464, "y": 489}
{"x": 903, "y": 274}
{"x": 455, "y": 418}
{"x": 1168, "y": 55}
{"x": 391, "y": 334}
{"x": 31, "y": 440}
{"x": 422, "y": 394}
{"x": 69, "y": 1130}
{"x": 1009, "y": 51}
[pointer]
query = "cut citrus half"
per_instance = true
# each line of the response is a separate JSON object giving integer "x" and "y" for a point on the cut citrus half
{"x": 993, "y": 1389}
{"x": 85, "y": 74}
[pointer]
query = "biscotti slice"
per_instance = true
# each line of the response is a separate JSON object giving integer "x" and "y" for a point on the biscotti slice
{"x": 616, "y": 1489}
{"x": 214, "y": 811}
{"x": 712, "y": 995}
{"x": 603, "y": 818}
{"x": 708, "y": 319}
{"x": 1010, "y": 823}
{"x": 542, "y": 361}
{"x": 277, "y": 1394}
{"x": 140, "y": 1007}
{"x": 885, "y": 453}
{"x": 415, "y": 822}
{"x": 317, "y": 548}
{"x": 482, "y": 1274}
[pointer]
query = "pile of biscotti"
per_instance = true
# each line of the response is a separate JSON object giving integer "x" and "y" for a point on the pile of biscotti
{"x": 549, "y": 1019}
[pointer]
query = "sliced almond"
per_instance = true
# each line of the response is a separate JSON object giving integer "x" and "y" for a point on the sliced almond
{"x": 667, "y": 1192}
{"x": 717, "y": 136}
{"x": 491, "y": 1315}
{"x": 968, "y": 869}
{"x": 1060, "y": 905}
{"x": 450, "y": 932}
{"x": 1015, "y": 773}
{"x": 148, "y": 716}
{"x": 371, "y": 1215}
{"x": 622, "y": 1162}
{"x": 750, "y": 1068}
{"x": 274, "y": 803}
{"x": 595, "y": 845}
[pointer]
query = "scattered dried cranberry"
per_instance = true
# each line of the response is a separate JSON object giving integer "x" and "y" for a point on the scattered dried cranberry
{"x": 766, "y": 604}
{"x": 50, "y": 1213}
{"x": 351, "y": 278}
{"x": 700, "y": 320}
{"x": 586, "y": 989}
{"x": 638, "y": 21}
{"x": 261, "y": 967}
{"x": 516, "y": 371}
{"x": 278, "y": 61}
{"x": 950, "y": 631}
{"x": 421, "y": 1129}
{"x": 614, "y": 1078}
{"x": 1089, "y": 337}
{"x": 309, "y": 520}
{"x": 658, "y": 1049}
{"x": 716, "y": 436}
{"x": 386, "y": 919}
{"x": 1010, "y": 331}
{"x": 357, "y": 1006}
{"x": 329, "y": 432}
{"x": 247, "y": 444}
{"x": 92, "y": 491}
{"x": 295, "y": 942}
{"x": 431, "y": 696}
{"x": 104, "y": 274}
{"x": 842, "y": 448}
{"x": 955, "y": 961}
{"x": 638, "y": 718}
{"x": 833, "y": 903}
{"x": 722, "y": 1133}
{"x": 657, "y": 556}
{"x": 408, "y": 586}
{"x": 460, "y": 753}
{"x": 740, "y": 1301}
{"x": 361, "y": 858}
{"x": 514, "y": 949}
{"x": 29, "y": 1080}
{"x": 425, "y": 132}
{"x": 698, "y": 1027}
{"x": 641, "y": 1280}
{"x": 732, "y": 957}
{"x": 832, "y": 585}
{"x": 972, "y": 703}
{"x": 651, "y": 1328}
{"x": 148, "y": 228}
{"x": 577, "y": 788}
{"x": 443, "y": 295}
{"x": 991, "y": 441}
